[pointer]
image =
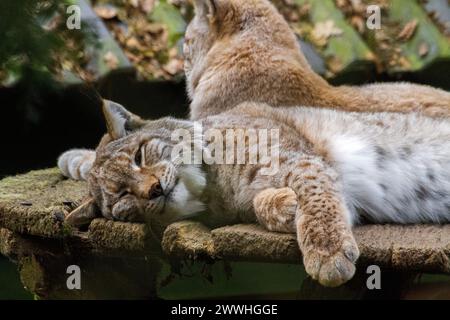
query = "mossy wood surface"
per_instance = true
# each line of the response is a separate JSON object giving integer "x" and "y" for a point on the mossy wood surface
{"x": 32, "y": 205}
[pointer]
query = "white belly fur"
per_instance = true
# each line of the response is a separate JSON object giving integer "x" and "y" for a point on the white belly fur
{"x": 395, "y": 175}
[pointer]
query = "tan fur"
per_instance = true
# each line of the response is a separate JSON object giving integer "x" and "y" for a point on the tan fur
{"x": 245, "y": 51}
{"x": 76, "y": 163}
{"x": 276, "y": 208}
{"x": 304, "y": 197}
{"x": 307, "y": 194}
{"x": 236, "y": 51}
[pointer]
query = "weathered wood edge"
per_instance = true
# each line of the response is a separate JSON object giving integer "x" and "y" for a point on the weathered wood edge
{"x": 424, "y": 248}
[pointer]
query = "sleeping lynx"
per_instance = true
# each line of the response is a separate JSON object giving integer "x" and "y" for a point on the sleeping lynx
{"x": 335, "y": 168}
{"x": 243, "y": 50}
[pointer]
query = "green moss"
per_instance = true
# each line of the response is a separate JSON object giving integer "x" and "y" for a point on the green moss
{"x": 32, "y": 274}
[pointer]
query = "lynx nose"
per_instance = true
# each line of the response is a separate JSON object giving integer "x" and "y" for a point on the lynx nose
{"x": 155, "y": 191}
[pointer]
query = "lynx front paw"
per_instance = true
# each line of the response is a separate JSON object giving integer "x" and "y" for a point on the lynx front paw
{"x": 276, "y": 209}
{"x": 332, "y": 269}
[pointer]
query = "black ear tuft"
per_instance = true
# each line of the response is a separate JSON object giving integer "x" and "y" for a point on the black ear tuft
{"x": 119, "y": 120}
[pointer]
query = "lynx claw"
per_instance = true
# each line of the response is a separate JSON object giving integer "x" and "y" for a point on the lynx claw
{"x": 335, "y": 269}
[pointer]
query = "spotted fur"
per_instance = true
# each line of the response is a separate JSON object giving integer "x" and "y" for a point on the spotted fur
{"x": 336, "y": 169}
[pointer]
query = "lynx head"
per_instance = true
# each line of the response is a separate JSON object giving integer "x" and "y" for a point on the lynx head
{"x": 136, "y": 178}
{"x": 218, "y": 20}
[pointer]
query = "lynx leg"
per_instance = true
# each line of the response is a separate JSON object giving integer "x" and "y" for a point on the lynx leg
{"x": 323, "y": 230}
{"x": 276, "y": 208}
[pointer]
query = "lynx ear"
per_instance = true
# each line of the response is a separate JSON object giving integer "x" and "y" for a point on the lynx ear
{"x": 206, "y": 9}
{"x": 82, "y": 215}
{"x": 119, "y": 120}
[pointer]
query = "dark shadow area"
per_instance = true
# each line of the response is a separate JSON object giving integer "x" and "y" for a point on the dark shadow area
{"x": 38, "y": 125}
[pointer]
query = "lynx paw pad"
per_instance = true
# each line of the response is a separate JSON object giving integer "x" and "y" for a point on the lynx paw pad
{"x": 332, "y": 270}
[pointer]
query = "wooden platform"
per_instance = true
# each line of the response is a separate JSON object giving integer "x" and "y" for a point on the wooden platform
{"x": 32, "y": 207}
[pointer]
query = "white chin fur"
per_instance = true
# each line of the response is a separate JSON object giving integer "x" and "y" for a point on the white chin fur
{"x": 184, "y": 200}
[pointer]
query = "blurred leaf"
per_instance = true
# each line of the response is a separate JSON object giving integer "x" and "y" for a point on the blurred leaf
{"x": 169, "y": 15}
{"x": 35, "y": 40}
{"x": 408, "y": 30}
{"x": 106, "y": 11}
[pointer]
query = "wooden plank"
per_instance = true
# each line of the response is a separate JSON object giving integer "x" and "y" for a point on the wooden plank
{"x": 30, "y": 205}
{"x": 36, "y": 203}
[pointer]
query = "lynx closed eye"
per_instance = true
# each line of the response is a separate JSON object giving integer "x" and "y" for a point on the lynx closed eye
{"x": 155, "y": 191}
